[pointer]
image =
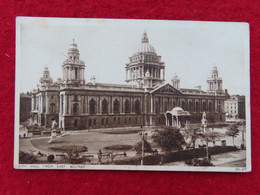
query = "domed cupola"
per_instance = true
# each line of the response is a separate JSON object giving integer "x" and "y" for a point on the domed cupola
{"x": 145, "y": 46}
{"x": 214, "y": 72}
{"x": 145, "y": 59}
{"x": 73, "y": 52}
{"x": 73, "y": 67}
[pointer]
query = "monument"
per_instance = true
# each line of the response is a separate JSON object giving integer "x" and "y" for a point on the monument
{"x": 53, "y": 131}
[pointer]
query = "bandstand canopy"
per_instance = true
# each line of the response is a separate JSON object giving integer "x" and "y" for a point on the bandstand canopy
{"x": 178, "y": 111}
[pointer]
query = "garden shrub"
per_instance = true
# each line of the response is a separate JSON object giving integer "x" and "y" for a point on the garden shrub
{"x": 118, "y": 147}
{"x": 50, "y": 158}
{"x": 27, "y": 158}
{"x": 175, "y": 156}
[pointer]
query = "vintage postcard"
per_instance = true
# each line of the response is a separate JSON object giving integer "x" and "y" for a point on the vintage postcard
{"x": 132, "y": 95}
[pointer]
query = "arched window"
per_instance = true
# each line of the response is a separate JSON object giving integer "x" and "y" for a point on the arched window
{"x": 104, "y": 107}
{"x": 53, "y": 108}
{"x": 127, "y": 106}
{"x": 197, "y": 106}
{"x": 116, "y": 106}
{"x": 183, "y": 105}
{"x": 92, "y": 106}
{"x": 190, "y": 106}
{"x": 210, "y": 106}
{"x": 204, "y": 106}
{"x": 75, "y": 108}
{"x": 137, "y": 106}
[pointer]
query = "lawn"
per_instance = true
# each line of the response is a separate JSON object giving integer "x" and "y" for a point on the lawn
{"x": 93, "y": 140}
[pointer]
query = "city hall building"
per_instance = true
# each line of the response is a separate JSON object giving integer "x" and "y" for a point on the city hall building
{"x": 145, "y": 99}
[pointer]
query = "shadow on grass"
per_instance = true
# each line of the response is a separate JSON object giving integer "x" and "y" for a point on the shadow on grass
{"x": 121, "y": 131}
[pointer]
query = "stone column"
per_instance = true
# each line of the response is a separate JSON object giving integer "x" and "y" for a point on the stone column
{"x": 126, "y": 74}
{"x": 40, "y": 104}
{"x": 65, "y": 106}
{"x": 72, "y": 73}
{"x": 121, "y": 103}
{"x": 98, "y": 110}
{"x": 32, "y": 102}
{"x": 66, "y": 74}
{"x": 79, "y": 73}
{"x": 47, "y": 104}
{"x": 163, "y": 74}
{"x": 151, "y": 104}
{"x": 61, "y": 96}
{"x": 110, "y": 104}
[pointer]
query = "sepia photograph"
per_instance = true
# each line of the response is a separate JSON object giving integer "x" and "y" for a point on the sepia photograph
{"x": 121, "y": 94}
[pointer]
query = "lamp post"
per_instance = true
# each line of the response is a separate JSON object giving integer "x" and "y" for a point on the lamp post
{"x": 243, "y": 138}
{"x": 204, "y": 125}
{"x": 143, "y": 135}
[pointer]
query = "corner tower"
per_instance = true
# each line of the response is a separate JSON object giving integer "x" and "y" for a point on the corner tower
{"x": 145, "y": 59}
{"x": 73, "y": 68}
{"x": 214, "y": 81}
{"x": 176, "y": 82}
{"x": 46, "y": 78}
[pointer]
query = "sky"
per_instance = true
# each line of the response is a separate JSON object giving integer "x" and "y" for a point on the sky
{"x": 189, "y": 49}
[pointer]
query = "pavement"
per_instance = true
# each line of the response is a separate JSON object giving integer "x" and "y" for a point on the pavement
{"x": 229, "y": 159}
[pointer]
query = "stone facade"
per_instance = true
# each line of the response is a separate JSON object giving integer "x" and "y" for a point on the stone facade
{"x": 235, "y": 107}
{"x": 25, "y": 107}
{"x": 75, "y": 104}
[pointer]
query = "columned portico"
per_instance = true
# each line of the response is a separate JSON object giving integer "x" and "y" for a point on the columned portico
{"x": 177, "y": 117}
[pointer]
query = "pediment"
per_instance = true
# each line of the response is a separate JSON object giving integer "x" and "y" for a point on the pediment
{"x": 166, "y": 89}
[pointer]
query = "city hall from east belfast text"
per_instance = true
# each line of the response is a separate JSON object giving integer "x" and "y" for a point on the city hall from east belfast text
{"x": 145, "y": 99}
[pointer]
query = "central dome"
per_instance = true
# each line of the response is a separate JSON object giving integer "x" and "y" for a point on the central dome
{"x": 145, "y": 46}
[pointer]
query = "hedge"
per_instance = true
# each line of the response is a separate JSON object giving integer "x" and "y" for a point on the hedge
{"x": 175, "y": 156}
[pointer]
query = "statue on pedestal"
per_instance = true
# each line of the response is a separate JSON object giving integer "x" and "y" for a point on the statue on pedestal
{"x": 53, "y": 131}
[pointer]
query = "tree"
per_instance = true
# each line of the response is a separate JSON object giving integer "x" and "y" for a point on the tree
{"x": 212, "y": 136}
{"x": 232, "y": 131}
{"x": 169, "y": 139}
{"x": 147, "y": 147}
{"x": 193, "y": 134}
